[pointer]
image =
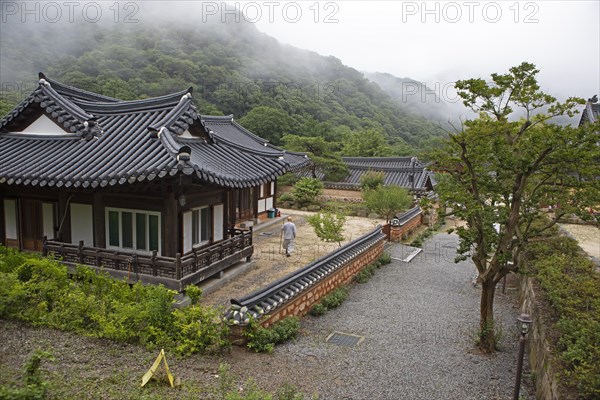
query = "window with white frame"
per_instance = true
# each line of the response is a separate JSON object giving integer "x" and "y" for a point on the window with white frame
{"x": 197, "y": 227}
{"x": 133, "y": 229}
{"x": 201, "y": 225}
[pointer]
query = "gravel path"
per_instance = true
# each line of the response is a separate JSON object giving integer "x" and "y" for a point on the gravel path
{"x": 417, "y": 320}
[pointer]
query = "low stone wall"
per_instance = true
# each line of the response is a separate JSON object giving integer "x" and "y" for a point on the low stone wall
{"x": 301, "y": 305}
{"x": 409, "y": 222}
{"x": 296, "y": 293}
{"x": 542, "y": 364}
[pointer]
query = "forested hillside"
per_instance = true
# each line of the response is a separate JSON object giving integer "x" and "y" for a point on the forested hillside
{"x": 273, "y": 89}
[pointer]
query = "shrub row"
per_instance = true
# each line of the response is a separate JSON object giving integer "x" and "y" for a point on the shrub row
{"x": 264, "y": 340}
{"x": 42, "y": 292}
{"x": 572, "y": 287}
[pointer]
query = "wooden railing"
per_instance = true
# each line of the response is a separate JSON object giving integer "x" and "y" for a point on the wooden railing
{"x": 189, "y": 268}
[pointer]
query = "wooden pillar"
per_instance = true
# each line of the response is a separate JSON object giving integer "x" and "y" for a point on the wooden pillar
{"x": 99, "y": 221}
{"x": 255, "y": 196}
{"x": 170, "y": 223}
{"x": 2, "y": 225}
{"x": 64, "y": 217}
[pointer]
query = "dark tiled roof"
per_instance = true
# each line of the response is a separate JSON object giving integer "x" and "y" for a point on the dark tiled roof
{"x": 396, "y": 171}
{"x": 225, "y": 128}
{"x": 285, "y": 289}
{"x": 591, "y": 112}
{"x": 119, "y": 142}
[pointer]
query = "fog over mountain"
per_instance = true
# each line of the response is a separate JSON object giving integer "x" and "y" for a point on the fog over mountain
{"x": 241, "y": 55}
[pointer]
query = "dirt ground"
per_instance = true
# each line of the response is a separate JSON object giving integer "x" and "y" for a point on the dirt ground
{"x": 588, "y": 237}
{"x": 271, "y": 262}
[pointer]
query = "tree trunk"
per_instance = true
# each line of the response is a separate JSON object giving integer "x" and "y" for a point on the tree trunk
{"x": 487, "y": 333}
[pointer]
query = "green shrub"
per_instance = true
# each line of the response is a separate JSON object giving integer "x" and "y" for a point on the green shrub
{"x": 306, "y": 190}
{"x": 328, "y": 226}
{"x": 371, "y": 180}
{"x": 287, "y": 179}
{"x": 11, "y": 259}
{"x": 194, "y": 293}
{"x": 40, "y": 291}
{"x": 286, "y": 197}
{"x": 572, "y": 287}
{"x": 385, "y": 258}
{"x": 365, "y": 274}
{"x": 264, "y": 340}
{"x": 335, "y": 298}
{"x": 318, "y": 309}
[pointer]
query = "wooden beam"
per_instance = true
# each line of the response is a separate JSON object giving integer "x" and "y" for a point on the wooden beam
{"x": 99, "y": 220}
{"x": 64, "y": 217}
{"x": 170, "y": 223}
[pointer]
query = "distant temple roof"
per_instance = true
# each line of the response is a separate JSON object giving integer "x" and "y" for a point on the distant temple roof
{"x": 94, "y": 141}
{"x": 591, "y": 112}
{"x": 406, "y": 172}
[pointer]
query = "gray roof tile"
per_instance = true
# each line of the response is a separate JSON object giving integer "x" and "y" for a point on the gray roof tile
{"x": 114, "y": 143}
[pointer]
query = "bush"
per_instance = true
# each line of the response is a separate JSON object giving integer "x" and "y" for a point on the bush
{"x": 385, "y": 258}
{"x": 328, "y": 226}
{"x": 41, "y": 292}
{"x": 365, "y": 274}
{"x": 572, "y": 287}
{"x": 288, "y": 179}
{"x": 318, "y": 309}
{"x": 286, "y": 197}
{"x": 371, "y": 180}
{"x": 333, "y": 300}
{"x": 264, "y": 340}
{"x": 306, "y": 190}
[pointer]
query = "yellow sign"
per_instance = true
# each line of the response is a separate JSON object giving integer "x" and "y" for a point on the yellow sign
{"x": 154, "y": 368}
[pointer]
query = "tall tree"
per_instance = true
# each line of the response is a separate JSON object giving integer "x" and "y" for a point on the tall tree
{"x": 387, "y": 200}
{"x": 366, "y": 143}
{"x": 268, "y": 123}
{"x": 500, "y": 168}
{"x": 323, "y": 155}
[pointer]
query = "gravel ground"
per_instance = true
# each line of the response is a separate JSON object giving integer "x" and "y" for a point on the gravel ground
{"x": 417, "y": 320}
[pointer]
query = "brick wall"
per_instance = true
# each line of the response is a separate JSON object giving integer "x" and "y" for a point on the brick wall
{"x": 398, "y": 233}
{"x": 301, "y": 304}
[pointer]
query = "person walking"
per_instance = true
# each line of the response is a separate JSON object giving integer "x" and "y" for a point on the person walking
{"x": 288, "y": 230}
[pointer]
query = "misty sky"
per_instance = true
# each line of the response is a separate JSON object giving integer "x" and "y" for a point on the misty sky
{"x": 469, "y": 39}
{"x": 435, "y": 42}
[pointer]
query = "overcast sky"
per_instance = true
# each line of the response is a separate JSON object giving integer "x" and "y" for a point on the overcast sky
{"x": 438, "y": 42}
{"x": 435, "y": 42}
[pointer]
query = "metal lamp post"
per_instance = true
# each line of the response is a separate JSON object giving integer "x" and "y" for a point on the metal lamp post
{"x": 525, "y": 322}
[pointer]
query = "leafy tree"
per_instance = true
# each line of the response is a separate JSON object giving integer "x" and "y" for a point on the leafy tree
{"x": 366, "y": 143}
{"x": 501, "y": 167}
{"x": 371, "y": 180}
{"x": 268, "y": 123}
{"x": 306, "y": 190}
{"x": 387, "y": 200}
{"x": 328, "y": 226}
{"x": 322, "y": 154}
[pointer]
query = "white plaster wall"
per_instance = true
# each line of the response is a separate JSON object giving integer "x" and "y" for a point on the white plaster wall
{"x": 218, "y": 222}
{"x": 44, "y": 126}
{"x": 82, "y": 224}
{"x": 48, "y": 219}
{"x": 10, "y": 218}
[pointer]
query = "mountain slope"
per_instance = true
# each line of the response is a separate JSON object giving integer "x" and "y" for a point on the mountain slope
{"x": 233, "y": 68}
